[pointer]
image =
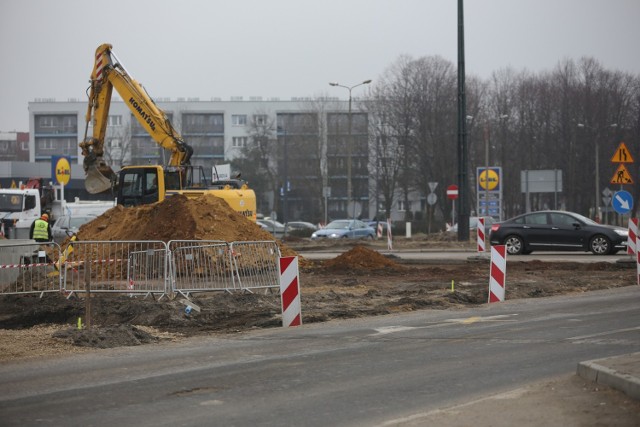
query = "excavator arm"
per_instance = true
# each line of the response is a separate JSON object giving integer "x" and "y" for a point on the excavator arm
{"x": 109, "y": 73}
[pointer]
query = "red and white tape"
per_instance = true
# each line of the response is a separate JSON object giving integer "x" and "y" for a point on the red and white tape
{"x": 480, "y": 229}
{"x": 498, "y": 273}
{"x": 290, "y": 291}
{"x": 632, "y": 245}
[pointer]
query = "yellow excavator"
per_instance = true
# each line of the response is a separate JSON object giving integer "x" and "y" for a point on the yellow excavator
{"x": 145, "y": 184}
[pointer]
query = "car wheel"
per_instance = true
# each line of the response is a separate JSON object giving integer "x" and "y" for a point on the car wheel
{"x": 369, "y": 236}
{"x": 515, "y": 245}
{"x": 600, "y": 245}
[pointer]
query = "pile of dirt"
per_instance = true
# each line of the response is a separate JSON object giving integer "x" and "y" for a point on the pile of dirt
{"x": 362, "y": 258}
{"x": 176, "y": 218}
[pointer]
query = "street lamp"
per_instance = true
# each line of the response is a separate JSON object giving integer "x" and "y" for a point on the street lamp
{"x": 350, "y": 143}
{"x": 596, "y": 133}
{"x": 285, "y": 185}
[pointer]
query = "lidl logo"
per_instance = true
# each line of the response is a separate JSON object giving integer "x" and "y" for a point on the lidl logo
{"x": 488, "y": 179}
{"x": 61, "y": 170}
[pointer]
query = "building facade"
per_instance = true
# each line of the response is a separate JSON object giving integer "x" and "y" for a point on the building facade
{"x": 316, "y": 149}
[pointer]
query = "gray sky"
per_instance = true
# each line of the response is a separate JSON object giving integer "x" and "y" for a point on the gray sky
{"x": 290, "y": 48}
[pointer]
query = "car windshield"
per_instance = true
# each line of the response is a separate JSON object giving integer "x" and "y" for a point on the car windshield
{"x": 339, "y": 224}
{"x": 78, "y": 221}
{"x": 585, "y": 219}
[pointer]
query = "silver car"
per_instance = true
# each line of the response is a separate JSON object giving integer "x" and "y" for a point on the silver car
{"x": 345, "y": 229}
{"x": 67, "y": 225}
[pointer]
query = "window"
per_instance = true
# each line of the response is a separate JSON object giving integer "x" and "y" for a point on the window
{"x": 48, "y": 121}
{"x": 114, "y": 121}
{"x": 115, "y": 143}
{"x": 47, "y": 144}
{"x": 239, "y": 141}
{"x": 260, "y": 119}
{"x": 239, "y": 120}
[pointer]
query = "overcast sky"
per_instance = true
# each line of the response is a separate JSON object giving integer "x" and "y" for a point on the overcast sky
{"x": 290, "y": 48}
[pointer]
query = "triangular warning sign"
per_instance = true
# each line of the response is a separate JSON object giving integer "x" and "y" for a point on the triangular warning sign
{"x": 621, "y": 176}
{"x": 622, "y": 155}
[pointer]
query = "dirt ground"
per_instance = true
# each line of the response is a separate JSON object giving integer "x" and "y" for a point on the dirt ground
{"x": 360, "y": 282}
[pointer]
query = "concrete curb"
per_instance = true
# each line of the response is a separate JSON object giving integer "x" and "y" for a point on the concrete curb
{"x": 621, "y": 373}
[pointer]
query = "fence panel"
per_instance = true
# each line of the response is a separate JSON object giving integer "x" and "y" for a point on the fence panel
{"x": 200, "y": 266}
{"x": 29, "y": 268}
{"x": 256, "y": 264}
{"x": 117, "y": 266}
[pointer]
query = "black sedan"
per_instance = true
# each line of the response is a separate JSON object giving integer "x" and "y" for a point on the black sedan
{"x": 557, "y": 231}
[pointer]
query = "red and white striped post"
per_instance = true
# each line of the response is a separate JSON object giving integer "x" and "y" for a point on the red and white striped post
{"x": 379, "y": 230}
{"x": 632, "y": 245}
{"x": 290, "y": 291}
{"x": 481, "y": 238}
{"x": 638, "y": 266}
{"x": 389, "y": 235}
{"x": 498, "y": 273}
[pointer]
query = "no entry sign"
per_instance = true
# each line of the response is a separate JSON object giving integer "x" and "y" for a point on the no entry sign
{"x": 452, "y": 192}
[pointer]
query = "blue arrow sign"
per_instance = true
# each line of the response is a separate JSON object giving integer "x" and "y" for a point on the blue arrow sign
{"x": 622, "y": 202}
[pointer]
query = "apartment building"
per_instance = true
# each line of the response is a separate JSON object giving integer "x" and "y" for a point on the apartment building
{"x": 315, "y": 147}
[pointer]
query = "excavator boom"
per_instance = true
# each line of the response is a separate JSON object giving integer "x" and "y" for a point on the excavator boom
{"x": 109, "y": 73}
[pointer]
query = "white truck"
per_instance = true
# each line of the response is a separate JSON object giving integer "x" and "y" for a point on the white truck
{"x": 20, "y": 207}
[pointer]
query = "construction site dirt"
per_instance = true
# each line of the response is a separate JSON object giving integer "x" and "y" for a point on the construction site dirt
{"x": 358, "y": 283}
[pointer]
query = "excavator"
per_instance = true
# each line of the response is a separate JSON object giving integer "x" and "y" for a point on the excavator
{"x": 144, "y": 184}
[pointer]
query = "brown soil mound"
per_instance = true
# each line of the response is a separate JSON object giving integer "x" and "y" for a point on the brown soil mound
{"x": 361, "y": 258}
{"x": 176, "y": 218}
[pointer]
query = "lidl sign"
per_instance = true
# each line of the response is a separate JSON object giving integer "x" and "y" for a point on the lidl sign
{"x": 60, "y": 170}
{"x": 489, "y": 179}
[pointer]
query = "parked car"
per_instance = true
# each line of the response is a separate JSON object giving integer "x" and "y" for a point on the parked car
{"x": 557, "y": 231}
{"x": 345, "y": 229}
{"x": 67, "y": 225}
{"x": 272, "y": 226}
{"x": 473, "y": 224}
{"x": 301, "y": 225}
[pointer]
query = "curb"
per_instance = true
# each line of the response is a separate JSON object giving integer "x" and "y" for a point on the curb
{"x": 598, "y": 372}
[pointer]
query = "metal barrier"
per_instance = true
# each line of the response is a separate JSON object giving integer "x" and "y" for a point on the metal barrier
{"x": 134, "y": 267}
{"x": 256, "y": 264}
{"x": 29, "y": 268}
{"x": 138, "y": 267}
{"x": 199, "y": 266}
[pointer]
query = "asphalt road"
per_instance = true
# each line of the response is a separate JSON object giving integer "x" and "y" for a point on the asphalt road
{"x": 366, "y": 371}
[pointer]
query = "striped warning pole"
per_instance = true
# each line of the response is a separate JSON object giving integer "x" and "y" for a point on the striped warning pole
{"x": 632, "y": 245}
{"x": 290, "y": 291}
{"x": 497, "y": 273}
{"x": 638, "y": 266}
{"x": 480, "y": 229}
{"x": 379, "y": 230}
{"x": 389, "y": 235}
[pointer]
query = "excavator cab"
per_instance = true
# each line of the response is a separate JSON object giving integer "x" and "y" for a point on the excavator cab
{"x": 141, "y": 185}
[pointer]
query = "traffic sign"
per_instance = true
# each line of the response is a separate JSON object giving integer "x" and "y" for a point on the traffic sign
{"x": 621, "y": 176}
{"x": 432, "y": 199}
{"x": 622, "y": 155}
{"x": 622, "y": 202}
{"x": 452, "y": 192}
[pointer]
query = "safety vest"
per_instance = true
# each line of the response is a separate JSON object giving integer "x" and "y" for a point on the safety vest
{"x": 41, "y": 230}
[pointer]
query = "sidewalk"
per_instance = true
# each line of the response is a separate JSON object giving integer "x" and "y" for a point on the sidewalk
{"x": 621, "y": 373}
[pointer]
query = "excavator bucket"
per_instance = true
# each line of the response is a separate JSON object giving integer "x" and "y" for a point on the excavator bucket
{"x": 98, "y": 179}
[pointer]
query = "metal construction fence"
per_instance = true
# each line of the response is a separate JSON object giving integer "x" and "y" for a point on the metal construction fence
{"x": 138, "y": 267}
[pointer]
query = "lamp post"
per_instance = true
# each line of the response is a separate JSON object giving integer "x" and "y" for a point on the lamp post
{"x": 350, "y": 143}
{"x": 285, "y": 185}
{"x": 596, "y": 134}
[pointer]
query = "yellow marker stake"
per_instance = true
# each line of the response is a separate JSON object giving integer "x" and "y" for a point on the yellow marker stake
{"x": 79, "y": 323}
{"x": 452, "y": 286}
